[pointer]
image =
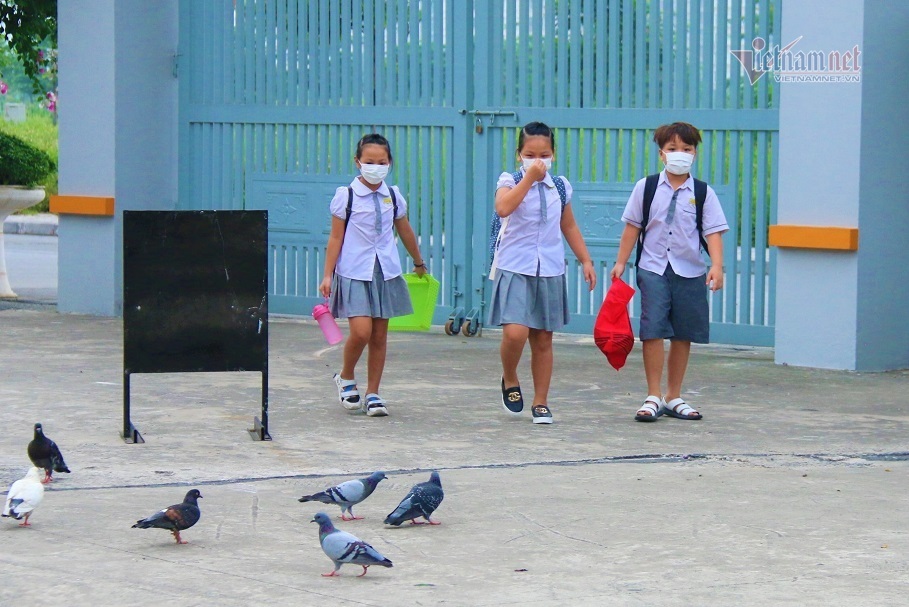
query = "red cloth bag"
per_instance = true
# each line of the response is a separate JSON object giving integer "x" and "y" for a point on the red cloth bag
{"x": 612, "y": 331}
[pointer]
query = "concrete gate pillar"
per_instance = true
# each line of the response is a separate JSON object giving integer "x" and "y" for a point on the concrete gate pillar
{"x": 118, "y": 138}
{"x": 843, "y": 215}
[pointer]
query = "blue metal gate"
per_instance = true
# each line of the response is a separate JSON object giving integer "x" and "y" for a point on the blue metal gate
{"x": 275, "y": 94}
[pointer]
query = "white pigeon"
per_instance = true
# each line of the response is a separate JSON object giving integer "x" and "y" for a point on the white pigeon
{"x": 342, "y": 547}
{"x": 24, "y": 496}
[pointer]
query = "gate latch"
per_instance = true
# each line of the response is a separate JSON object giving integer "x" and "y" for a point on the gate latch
{"x": 478, "y": 114}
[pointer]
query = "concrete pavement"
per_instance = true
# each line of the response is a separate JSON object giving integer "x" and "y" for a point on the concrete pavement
{"x": 791, "y": 491}
{"x": 40, "y": 224}
{"x": 31, "y": 263}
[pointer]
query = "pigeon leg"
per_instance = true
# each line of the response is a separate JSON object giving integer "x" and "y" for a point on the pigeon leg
{"x": 432, "y": 522}
{"x": 178, "y": 538}
{"x": 25, "y": 523}
{"x": 352, "y": 516}
{"x": 364, "y": 570}
{"x": 416, "y": 522}
{"x": 47, "y": 477}
{"x": 331, "y": 574}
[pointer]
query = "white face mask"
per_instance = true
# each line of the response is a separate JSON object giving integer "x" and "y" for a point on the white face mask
{"x": 679, "y": 163}
{"x": 374, "y": 173}
{"x": 526, "y": 163}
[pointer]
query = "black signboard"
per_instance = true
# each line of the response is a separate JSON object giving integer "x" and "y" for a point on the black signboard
{"x": 195, "y": 297}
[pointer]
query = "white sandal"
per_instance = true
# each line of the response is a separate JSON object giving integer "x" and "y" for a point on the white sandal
{"x": 650, "y": 410}
{"x": 679, "y": 409}
{"x": 348, "y": 393}
{"x": 375, "y": 406}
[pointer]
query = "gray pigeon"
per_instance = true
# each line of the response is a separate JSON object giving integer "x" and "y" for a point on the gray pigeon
{"x": 422, "y": 500}
{"x": 342, "y": 547}
{"x": 347, "y": 494}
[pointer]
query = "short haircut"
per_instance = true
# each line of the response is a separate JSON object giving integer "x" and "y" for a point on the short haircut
{"x": 373, "y": 139}
{"x": 532, "y": 129}
{"x": 684, "y": 131}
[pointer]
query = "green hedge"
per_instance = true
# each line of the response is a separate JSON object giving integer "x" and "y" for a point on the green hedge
{"x": 22, "y": 163}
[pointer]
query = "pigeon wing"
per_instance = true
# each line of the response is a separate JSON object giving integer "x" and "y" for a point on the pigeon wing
{"x": 405, "y": 511}
{"x": 179, "y": 517}
{"x": 56, "y": 458}
{"x": 347, "y": 493}
{"x": 24, "y": 496}
{"x": 336, "y": 545}
{"x": 342, "y": 547}
{"x": 427, "y": 497}
{"x": 39, "y": 452}
{"x": 183, "y": 516}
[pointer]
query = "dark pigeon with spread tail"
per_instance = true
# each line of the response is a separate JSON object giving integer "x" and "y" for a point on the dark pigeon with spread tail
{"x": 348, "y": 494}
{"x": 422, "y": 500}
{"x": 176, "y": 518}
{"x": 342, "y": 547}
{"x": 44, "y": 453}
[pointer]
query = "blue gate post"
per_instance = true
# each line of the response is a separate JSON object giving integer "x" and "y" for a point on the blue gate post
{"x": 458, "y": 233}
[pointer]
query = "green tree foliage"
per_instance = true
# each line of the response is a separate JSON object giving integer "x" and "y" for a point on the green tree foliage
{"x": 29, "y": 28}
{"x": 22, "y": 163}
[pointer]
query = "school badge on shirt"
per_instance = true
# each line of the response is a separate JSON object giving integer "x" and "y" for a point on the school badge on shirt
{"x": 692, "y": 201}
{"x": 387, "y": 200}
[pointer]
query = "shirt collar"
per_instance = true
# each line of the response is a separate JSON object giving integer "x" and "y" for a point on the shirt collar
{"x": 360, "y": 188}
{"x": 689, "y": 183}
{"x": 546, "y": 180}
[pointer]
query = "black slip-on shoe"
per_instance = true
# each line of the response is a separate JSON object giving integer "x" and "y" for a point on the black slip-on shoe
{"x": 512, "y": 399}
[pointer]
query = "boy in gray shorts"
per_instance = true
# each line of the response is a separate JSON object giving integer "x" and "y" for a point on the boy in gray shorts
{"x": 672, "y": 277}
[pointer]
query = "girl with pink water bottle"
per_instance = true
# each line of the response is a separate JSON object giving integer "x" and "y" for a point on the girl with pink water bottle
{"x": 363, "y": 272}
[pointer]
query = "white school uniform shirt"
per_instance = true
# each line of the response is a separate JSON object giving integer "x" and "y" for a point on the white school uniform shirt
{"x": 361, "y": 242}
{"x": 530, "y": 246}
{"x": 677, "y": 243}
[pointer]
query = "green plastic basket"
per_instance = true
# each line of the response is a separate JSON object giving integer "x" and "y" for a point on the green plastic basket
{"x": 424, "y": 293}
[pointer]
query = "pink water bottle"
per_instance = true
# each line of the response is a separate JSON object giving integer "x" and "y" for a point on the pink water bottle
{"x": 327, "y": 323}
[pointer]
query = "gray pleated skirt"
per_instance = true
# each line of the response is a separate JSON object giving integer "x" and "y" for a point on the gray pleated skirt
{"x": 377, "y": 298}
{"x": 538, "y": 302}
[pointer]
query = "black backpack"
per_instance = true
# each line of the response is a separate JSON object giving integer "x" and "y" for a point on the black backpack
{"x": 700, "y": 195}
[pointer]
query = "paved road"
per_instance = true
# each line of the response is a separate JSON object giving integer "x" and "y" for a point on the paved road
{"x": 31, "y": 262}
{"x": 791, "y": 491}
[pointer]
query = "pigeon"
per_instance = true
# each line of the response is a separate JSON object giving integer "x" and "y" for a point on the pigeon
{"x": 422, "y": 500}
{"x": 347, "y": 494}
{"x": 175, "y": 518}
{"x": 342, "y": 547}
{"x": 44, "y": 453}
{"x": 24, "y": 496}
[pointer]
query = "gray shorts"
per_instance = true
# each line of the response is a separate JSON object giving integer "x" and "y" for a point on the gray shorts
{"x": 673, "y": 307}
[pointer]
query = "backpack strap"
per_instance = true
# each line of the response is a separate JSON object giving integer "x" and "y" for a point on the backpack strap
{"x": 700, "y": 195}
{"x": 650, "y": 186}
{"x": 349, "y": 207}
{"x": 563, "y": 193}
{"x": 394, "y": 204}
{"x": 559, "y": 184}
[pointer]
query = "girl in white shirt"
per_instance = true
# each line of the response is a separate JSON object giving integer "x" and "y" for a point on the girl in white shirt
{"x": 529, "y": 294}
{"x": 363, "y": 271}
